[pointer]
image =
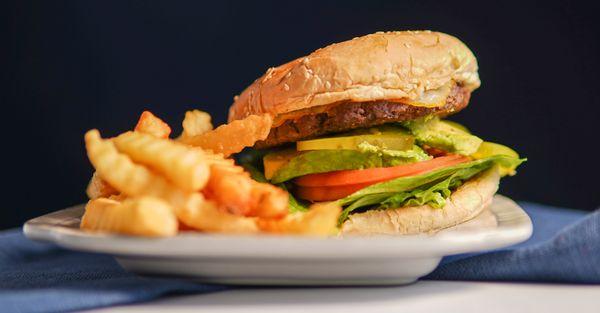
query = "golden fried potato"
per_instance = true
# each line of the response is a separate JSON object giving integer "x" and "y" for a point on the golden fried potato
{"x": 235, "y": 136}
{"x": 184, "y": 166}
{"x": 150, "y": 124}
{"x": 98, "y": 188}
{"x": 131, "y": 179}
{"x": 233, "y": 188}
{"x": 144, "y": 216}
{"x": 208, "y": 217}
{"x": 269, "y": 201}
{"x": 148, "y": 185}
{"x": 118, "y": 197}
{"x": 196, "y": 123}
{"x": 226, "y": 164}
{"x": 320, "y": 220}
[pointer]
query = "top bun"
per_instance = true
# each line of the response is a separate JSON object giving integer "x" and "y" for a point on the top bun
{"x": 380, "y": 66}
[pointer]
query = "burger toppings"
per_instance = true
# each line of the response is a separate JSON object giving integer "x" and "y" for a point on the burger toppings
{"x": 394, "y": 165}
{"x": 336, "y": 185}
{"x": 381, "y": 147}
{"x": 322, "y": 161}
{"x": 376, "y": 175}
{"x": 431, "y": 188}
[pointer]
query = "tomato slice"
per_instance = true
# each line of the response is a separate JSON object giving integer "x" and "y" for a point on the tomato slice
{"x": 327, "y": 193}
{"x": 375, "y": 175}
{"x": 339, "y": 184}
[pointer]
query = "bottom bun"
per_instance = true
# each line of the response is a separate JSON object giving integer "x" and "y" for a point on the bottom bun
{"x": 464, "y": 204}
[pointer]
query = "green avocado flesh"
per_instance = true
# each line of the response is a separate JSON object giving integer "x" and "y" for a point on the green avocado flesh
{"x": 442, "y": 135}
{"x": 321, "y": 161}
{"x": 386, "y": 146}
{"x": 383, "y": 146}
{"x": 385, "y": 137}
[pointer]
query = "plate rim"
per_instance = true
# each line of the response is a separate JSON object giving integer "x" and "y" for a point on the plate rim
{"x": 264, "y": 246}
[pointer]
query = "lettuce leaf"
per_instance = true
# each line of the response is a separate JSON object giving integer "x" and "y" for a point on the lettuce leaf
{"x": 435, "y": 195}
{"x": 431, "y": 188}
{"x": 294, "y": 204}
{"x": 255, "y": 173}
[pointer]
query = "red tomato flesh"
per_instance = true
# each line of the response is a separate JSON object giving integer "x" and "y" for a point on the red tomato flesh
{"x": 339, "y": 184}
{"x": 378, "y": 174}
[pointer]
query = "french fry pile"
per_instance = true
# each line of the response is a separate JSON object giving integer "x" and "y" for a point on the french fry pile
{"x": 146, "y": 184}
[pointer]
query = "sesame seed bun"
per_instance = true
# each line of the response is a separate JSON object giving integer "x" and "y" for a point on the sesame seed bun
{"x": 397, "y": 66}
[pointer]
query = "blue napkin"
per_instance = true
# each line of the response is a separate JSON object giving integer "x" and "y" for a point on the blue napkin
{"x": 37, "y": 277}
{"x": 564, "y": 247}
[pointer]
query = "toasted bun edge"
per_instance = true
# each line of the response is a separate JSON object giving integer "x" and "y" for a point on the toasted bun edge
{"x": 465, "y": 203}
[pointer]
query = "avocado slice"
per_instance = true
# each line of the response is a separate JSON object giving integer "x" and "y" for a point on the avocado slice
{"x": 385, "y": 137}
{"x": 435, "y": 133}
{"x": 321, "y": 161}
{"x": 457, "y": 125}
{"x": 273, "y": 161}
{"x": 488, "y": 149}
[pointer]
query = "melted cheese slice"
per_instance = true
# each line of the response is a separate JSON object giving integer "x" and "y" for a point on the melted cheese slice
{"x": 431, "y": 98}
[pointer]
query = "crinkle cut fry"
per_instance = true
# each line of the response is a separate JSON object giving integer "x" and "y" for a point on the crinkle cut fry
{"x": 136, "y": 180}
{"x": 151, "y": 124}
{"x": 184, "y": 166}
{"x": 98, "y": 188}
{"x": 145, "y": 216}
{"x": 232, "y": 187}
{"x": 132, "y": 179}
{"x": 196, "y": 123}
{"x": 320, "y": 220}
{"x": 208, "y": 217}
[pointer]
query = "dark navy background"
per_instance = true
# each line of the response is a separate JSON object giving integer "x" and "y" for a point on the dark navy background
{"x": 76, "y": 65}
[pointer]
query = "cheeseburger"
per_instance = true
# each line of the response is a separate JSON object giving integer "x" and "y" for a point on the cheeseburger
{"x": 362, "y": 123}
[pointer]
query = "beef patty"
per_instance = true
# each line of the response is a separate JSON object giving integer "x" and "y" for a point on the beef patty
{"x": 350, "y": 115}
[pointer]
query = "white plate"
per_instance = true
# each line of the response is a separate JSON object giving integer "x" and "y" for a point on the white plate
{"x": 290, "y": 260}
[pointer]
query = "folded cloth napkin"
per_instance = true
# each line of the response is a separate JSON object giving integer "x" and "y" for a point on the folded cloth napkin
{"x": 564, "y": 247}
{"x": 38, "y": 277}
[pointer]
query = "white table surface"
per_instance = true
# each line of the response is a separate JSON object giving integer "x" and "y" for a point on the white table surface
{"x": 425, "y": 296}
